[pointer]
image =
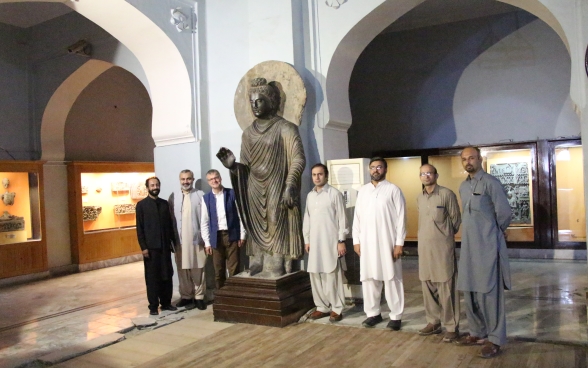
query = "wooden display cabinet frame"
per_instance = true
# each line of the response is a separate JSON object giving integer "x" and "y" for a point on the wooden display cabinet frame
{"x": 28, "y": 257}
{"x": 105, "y": 244}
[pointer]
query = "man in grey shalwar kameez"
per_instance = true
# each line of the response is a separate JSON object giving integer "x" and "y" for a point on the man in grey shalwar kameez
{"x": 484, "y": 271}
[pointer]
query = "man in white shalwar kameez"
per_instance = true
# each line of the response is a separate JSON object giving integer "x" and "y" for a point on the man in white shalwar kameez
{"x": 324, "y": 229}
{"x": 378, "y": 237}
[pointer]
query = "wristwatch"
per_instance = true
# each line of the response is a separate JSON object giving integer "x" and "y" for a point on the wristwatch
{"x": 341, "y": 241}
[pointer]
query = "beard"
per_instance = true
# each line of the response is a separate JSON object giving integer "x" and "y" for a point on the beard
{"x": 378, "y": 176}
{"x": 154, "y": 192}
{"x": 187, "y": 187}
{"x": 469, "y": 168}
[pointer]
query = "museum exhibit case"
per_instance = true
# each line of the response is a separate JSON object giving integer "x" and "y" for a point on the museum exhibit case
{"x": 570, "y": 222}
{"x": 23, "y": 248}
{"x": 543, "y": 181}
{"x": 404, "y": 172}
{"x": 102, "y": 201}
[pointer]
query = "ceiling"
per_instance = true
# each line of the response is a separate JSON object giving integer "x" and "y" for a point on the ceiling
{"x": 429, "y": 13}
{"x": 435, "y": 12}
{"x": 29, "y": 14}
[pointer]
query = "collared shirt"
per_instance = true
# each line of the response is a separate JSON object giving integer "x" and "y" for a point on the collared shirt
{"x": 486, "y": 215}
{"x": 379, "y": 224}
{"x": 222, "y": 219}
{"x": 324, "y": 225}
{"x": 439, "y": 220}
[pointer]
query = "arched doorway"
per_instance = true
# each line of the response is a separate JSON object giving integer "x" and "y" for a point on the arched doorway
{"x": 363, "y": 32}
{"x": 172, "y": 107}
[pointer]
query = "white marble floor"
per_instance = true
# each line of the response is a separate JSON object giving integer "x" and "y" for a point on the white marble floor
{"x": 547, "y": 303}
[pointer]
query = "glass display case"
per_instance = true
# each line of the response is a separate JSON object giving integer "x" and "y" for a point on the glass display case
{"x": 569, "y": 175}
{"x": 20, "y": 207}
{"x": 109, "y": 199}
{"x": 22, "y": 245}
{"x": 102, "y": 201}
{"x": 404, "y": 173}
{"x": 513, "y": 167}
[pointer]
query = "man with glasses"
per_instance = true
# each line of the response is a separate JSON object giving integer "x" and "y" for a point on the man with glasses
{"x": 484, "y": 271}
{"x": 378, "y": 237}
{"x": 439, "y": 220}
{"x": 222, "y": 231}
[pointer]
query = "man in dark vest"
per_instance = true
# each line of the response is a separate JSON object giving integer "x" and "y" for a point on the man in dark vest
{"x": 221, "y": 228}
{"x": 155, "y": 234}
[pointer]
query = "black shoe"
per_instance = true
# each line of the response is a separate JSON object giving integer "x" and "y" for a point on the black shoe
{"x": 169, "y": 308}
{"x": 394, "y": 324}
{"x": 201, "y": 304}
{"x": 153, "y": 312}
{"x": 184, "y": 303}
{"x": 372, "y": 321}
{"x": 192, "y": 305}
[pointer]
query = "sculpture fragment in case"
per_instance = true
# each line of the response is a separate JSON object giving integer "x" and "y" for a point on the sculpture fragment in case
{"x": 124, "y": 209}
{"x": 119, "y": 186}
{"x": 91, "y": 213}
{"x": 10, "y": 222}
{"x": 138, "y": 191}
{"x": 8, "y": 198}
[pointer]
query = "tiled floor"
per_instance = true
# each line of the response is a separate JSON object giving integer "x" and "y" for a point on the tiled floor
{"x": 547, "y": 303}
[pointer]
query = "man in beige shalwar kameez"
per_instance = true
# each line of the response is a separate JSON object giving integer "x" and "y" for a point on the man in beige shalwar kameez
{"x": 185, "y": 207}
{"x": 324, "y": 229}
{"x": 439, "y": 220}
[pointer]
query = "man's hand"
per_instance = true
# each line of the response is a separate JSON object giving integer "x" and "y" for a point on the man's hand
{"x": 241, "y": 242}
{"x": 397, "y": 252}
{"x": 357, "y": 249}
{"x": 208, "y": 250}
{"x": 341, "y": 249}
{"x": 227, "y": 157}
{"x": 307, "y": 247}
{"x": 145, "y": 253}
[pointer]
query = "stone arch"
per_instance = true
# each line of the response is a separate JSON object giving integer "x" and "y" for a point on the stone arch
{"x": 363, "y": 32}
{"x": 59, "y": 105}
{"x": 172, "y": 107}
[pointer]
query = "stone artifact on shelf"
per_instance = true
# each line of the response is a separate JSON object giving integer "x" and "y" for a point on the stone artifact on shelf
{"x": 5, "y": 182}
{"x": 272, "y": 162}
{"x": 10, "y": 222}
{"x": 124, "y": 209}
{"x": 91, "y": 213}
{"x": 84, "y": 189}
{"x": 8, "y": 198}
{"x": 138, "y": 191}
{"x": 119, "y": 186}
{"x": 98, "y": 189}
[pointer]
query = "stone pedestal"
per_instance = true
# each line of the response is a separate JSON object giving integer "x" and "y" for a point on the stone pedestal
{"x": 270, "y": 302}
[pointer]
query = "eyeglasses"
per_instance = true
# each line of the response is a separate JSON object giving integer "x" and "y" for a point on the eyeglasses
{"x": 427, "y": 174}
{"x": 379, "y": 167}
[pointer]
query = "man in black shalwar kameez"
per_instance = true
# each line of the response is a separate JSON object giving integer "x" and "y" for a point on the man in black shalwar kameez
{"x": 155, "y": 235}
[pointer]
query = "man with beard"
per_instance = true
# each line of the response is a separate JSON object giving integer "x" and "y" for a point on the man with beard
{"x": 155, "y": 234}
{"x": 378, "y": 237}
{"x": 484, "y": 271}
{"x": 189, "y": 250}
